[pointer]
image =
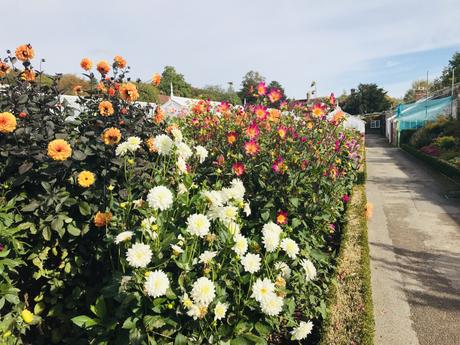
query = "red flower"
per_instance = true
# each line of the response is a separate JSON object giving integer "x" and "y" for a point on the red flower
{"x": 251, "y": 147}
{"x": 332, "y": 99}
{"x": 261, "y": 88}
{"x": 253, "y": 131}
{"x": 232, "y": 137}
{"x": 278, "y": 166}
{"x": 261, "y": 112}
{"x": 274, "y": 95}
{"x": 282, "y": 217}
{"x": 223, "y": 107}
{"x": 238, "y": 168}
{"x": 346, "y": 198}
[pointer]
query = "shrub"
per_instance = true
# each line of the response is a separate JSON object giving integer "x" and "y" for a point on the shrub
{"x": 137, "y": 233}
{"x": 446, "y": 142}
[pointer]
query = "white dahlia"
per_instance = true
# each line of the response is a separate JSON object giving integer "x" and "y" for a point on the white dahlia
{"x": 251, "y": 262}
{"x": 290, "y": 247}
{"x": 123, "y": 236}
{"x": 271, "y": 236}
{"x": 220, "y": 310}
{"x": 160, "y": 198}
{"x": 207, "y": 256}
{"x": 134, "y": 143}
{"x": 201, "y": 152}
{"x": 183, "y": 150}
{"x": 262, "y": 289}
{"x": 272, "y": 305}
{"x": 163, "y": 144}
{"x": 284, "y": 269}
{"x": 241, "y": 244}
{"x": 203, "y": 291}
{"x": 198, "y": 224}
{"x": 309, "y": 268}
{"x": 139, "y": 255}
{"x": 302, "y": 331}
{"x": 177, "y": 134}
{"x": 156, "y": 284}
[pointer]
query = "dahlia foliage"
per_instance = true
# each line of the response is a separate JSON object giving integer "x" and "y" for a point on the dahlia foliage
{"x": 132, "y": 228}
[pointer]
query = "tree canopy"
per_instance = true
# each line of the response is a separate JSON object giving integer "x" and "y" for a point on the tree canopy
{"x": 416, "y": 85}
{"x": 445, "y": 80}
{"x": 249, "y": 86}
{"x": 181, "y": 87}
{"x": 367, "y": 98}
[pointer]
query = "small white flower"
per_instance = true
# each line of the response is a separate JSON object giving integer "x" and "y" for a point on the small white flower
{"x": 184, "y": 151}
{"x": 160, "y": 198}
{"x": 247, "y": 209}
{"x": 122, "y": 149}
{"x": 290, "y": 247}
{"x": 181, "y": 189}
{"x": 262, "y": 289}
{"x": 156, "y": 284}
{"x": 207, "y": 256}
{"x": 148, "y": 223}
{"x": 284, "y": 269}
{"x": 238, "y": 189}
{"x": 181, "y": 166}
{"x": 309, "y": 268}
{"x": 176, "y": 249}
{"x": 197, "y": 311}
{"x": 271, "y": 236}
{"x": 272, "y": 305}
{"x": 233, "y": 227}
{"x": 198, "y": 225}
{"x": 228, "y": 213}
{"x": 203, "y": 291}
{"x": 201, "y": 152}
{"x": 177, "y": 134}
{"x": 139, "y": 255}
{"x": 251, "y": 262}
{"x": 241, "y": 244}
{"x": 134, "y": 143}
{"x": 214, "y": 197}
{"x": 220, "y": 310}
{"x": 163, "y": 144}
{"x": 302, "y": 331}
{"x": 123, "y": 236}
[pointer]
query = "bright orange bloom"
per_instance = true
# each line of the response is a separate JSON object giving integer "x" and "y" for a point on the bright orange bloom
{"x": 106, "y": 108}
{"x": 111, "y": 136}
{"x": 274, "y": 95}
{"x": 59, "y": 150}
{"x": 7, "y": 122}
{"x": 86, "y": 179}
{"x": 261, "y": 88}
{"x": 251, "y": 147}
{"x": 101, "y": 219}
{"x": 281, "y": 217}
{"x": 103, "y": 67}
{"x": 156, "y": 79}
{"x": 158, "y": 115}
{"x": 261, "y": 112}
{"x": 338, "y": 117}
{"x": 317, "y": 110}
{"x": 274, "y": 115}
{"x": 128, "y": 92}
{"x": 121, "y": 63}
{"x": 282, "y": 131}
{"x": 4, "y": 69}
{"x": 86, "y": 64}
{"x": 253, "y": 130}
{"x": 231, "y": 137}
{"x": 150, "y": 142}
{"x": 28, "y": 75}
{"x": 111, "y": 91}
{"x": 25, "y": 52}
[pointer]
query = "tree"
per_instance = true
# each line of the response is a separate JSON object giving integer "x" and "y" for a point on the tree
{"x": 68, "y": 81}
{"x": 445, "y": 80}
{"x": 417, "y": 85}
{"x": 368, "y": 98}
{"x": 180, "y": 86}
{"x": 249, "y": 86}
{"x": 148, "y": 93}
{"x": 216, "y": 93}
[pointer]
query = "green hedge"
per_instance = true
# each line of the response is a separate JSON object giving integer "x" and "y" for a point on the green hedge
{"x": 442, "y": 166}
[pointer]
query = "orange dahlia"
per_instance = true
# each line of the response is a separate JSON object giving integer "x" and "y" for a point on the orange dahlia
{"x": 86, "y": 64}
{"x": 103, "y": 67}
{"x": 106, "y": 108}
{"x": 150, "y": 142}
{"x": 25, "y": 52}
{"x": 231, "y": 137}
{"x": 111, "y": 136}
{"x": 101, "y": 219}
{"x": 156, "y": 79}
{"x": 7, "y": 122}
{"x": 159, "y": 115}
{"x": 128, "y": 92}
{"x": 86, "y": 178}
{"x": 59, "y": 150}
{"x": 119, "y": 61}
{"x": 4, "y": 69}
{"x": 101, "y": 87}
{"x": 28, "y": 75}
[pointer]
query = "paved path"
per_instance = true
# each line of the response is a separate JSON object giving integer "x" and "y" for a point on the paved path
{"x": 414, "y": 237}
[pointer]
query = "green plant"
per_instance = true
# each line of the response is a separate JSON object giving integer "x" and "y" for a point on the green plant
{"x": 446, "y": 142}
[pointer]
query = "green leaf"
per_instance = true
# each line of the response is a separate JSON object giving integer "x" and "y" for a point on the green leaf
{"x": 180, "y": 339}
{"x": 240, "y": 341}
{"x": 255, "y": 339}
{"x": 31, "y": 207}
{"x": 78, "y": 155}
{"x": 84, "y": 321}
{"x": 263, "y": 329}
{"x": 152, "y": 322}
{"x": 74, "y": 231}
{"x": 84, "y": 208}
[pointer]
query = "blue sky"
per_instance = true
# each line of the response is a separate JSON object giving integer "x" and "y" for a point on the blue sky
{"x": 338, "y": 43}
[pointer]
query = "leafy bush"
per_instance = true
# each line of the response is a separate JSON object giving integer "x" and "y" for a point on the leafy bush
{"x": 139, "y": 234}
{"x": 446, "y": 142}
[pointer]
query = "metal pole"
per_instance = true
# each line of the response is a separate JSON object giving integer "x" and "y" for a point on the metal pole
{"x": 452, "y": 93}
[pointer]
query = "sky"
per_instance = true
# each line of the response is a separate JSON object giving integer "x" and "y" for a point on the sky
{"x": 337, "y": 43}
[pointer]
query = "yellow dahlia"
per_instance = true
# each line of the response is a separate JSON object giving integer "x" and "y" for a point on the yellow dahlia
{"x": 106, "y": 108}
{"x": 7, "y": 122}
{"x": 128, "y": 92}
{"x": 111, "y": 136}
{"x": 25, "y": 52}
{"x": 86, "y": 178}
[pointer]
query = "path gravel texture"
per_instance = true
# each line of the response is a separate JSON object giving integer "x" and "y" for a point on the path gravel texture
{"x": 414, "y": 238}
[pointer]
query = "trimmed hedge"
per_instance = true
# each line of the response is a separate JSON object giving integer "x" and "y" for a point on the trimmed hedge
{"x": 442, "y": 166}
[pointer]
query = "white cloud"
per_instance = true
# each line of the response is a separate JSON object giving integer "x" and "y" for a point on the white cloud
{"x": 212, "y": 42}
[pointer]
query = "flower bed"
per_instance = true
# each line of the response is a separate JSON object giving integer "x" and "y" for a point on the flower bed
{"x": 218, "y": 227}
